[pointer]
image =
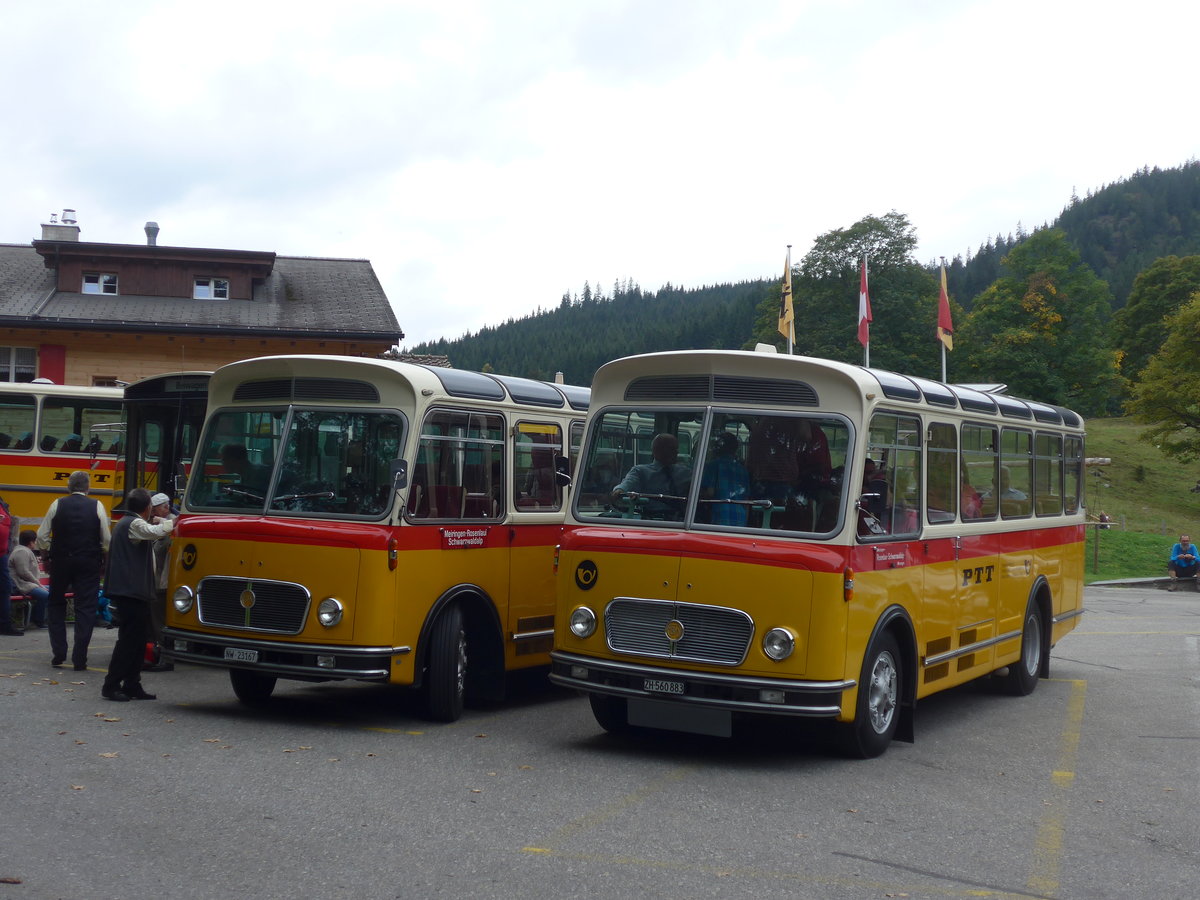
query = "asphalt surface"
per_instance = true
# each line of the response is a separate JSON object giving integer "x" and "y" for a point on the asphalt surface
{"x": 1089, "y": 788}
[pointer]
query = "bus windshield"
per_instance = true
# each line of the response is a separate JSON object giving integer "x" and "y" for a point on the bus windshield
{"x": 298, "y": 462}
{"x": 776, "y": 471}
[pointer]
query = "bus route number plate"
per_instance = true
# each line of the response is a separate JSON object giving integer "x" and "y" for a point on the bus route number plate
{"x": 655, "y": 685}
{"x": 237, "y": 654}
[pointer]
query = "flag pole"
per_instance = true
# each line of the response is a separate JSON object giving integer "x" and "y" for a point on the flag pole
{"x": 943, "y": 343}
{"x": 867, "y": 345}
{"x": 791, "y": 302}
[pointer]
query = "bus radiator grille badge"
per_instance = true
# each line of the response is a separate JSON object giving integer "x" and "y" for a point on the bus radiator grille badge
{"x": 674, "y": 631}
{"x": 247, "y": 598}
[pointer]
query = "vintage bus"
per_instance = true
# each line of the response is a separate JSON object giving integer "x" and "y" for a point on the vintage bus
{"x": 48, "y": 431}
{"x": 839, "y": 542}
{"x": 363, "y": 519}
{"x": 163, "y": 416}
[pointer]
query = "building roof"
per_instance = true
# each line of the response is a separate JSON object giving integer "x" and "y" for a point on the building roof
{"x": 300, "y": 297}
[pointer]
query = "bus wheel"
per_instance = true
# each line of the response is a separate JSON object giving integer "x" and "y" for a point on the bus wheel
{"x": 1022, "y": 675}
{"x": 252, "y": 688}
{"x": 877, "y": 712}
{"x": 447, "y": 676}
{"x": 610, "y": 713}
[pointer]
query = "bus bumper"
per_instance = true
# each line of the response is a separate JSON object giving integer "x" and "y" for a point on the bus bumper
{"x": 768, "y": 696}
{"x": 305, "y": 662}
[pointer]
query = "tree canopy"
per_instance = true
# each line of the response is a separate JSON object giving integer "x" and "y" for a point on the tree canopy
{"x": 1166, "y": 398}
{"x": 1041, "y": 328}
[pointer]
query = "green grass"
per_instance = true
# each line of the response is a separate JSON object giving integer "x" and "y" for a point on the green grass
{"x": 1148, "y": 497}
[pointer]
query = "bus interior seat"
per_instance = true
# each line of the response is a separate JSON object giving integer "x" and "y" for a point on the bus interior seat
{"x": 73, "y": 444}
{"x": 5, "y": 440}
{"x": 25, "y": 441}
{"x": 49, "y": 442}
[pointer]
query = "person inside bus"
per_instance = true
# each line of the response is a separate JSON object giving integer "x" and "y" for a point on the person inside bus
{"x": 772, "y": 456}
{"x": 664, "y": 478}
{"x": 235, "y": 461}
{"x": 1184, "y": 562}
{"x": 724, "y": 478}
{"x": 972, "y": 502}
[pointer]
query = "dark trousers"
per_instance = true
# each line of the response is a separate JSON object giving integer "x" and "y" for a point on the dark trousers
{"x": 80, "y": 574}
{"x": 125, "y": 668}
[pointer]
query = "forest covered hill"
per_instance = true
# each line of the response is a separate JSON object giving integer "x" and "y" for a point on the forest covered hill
{"x": 1118, "y": 231}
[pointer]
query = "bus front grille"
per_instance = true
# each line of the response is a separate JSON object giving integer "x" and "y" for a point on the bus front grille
{"x": 684, "y": 631}
{"x": 279, "y": 607}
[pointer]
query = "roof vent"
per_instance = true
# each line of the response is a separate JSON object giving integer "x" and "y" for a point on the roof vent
{"x": 152, "y": 233}
{"x": 68, "y": 217}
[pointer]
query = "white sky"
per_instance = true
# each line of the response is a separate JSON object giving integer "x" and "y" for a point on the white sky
{"x": 489, "y": 156}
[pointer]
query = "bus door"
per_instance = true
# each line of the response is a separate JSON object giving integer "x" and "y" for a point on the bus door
{"x": 537, "y": 499}
{"x": 961, "y": 577}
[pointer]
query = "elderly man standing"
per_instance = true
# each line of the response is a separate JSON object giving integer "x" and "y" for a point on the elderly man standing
{"x": 75, "y": 531}
{"x": 131, "y": 584}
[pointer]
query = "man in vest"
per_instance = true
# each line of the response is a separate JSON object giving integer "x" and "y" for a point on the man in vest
{"x": 132, "y": 587}
{"x": 75, "y": 531}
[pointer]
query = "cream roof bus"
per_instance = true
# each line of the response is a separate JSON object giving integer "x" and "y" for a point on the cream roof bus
{"x": 828, "y": 541}
{"x": 361, "y": 519}
{"x": 48, "y": 431}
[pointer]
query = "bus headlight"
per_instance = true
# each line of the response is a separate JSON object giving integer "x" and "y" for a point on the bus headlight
{"x": 778, "y": 643}
{"x": 183, "y": 599}
{"x": 329, "y": 612}
{"x": 583, "y": 622}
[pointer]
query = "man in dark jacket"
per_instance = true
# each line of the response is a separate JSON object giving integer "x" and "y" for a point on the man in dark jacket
{"x": 75, "y": 531}
{"x": 131, "y": 586}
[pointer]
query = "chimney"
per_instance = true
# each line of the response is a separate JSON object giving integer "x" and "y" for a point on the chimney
{"x": 152, "y": 234}
{"x": 67, "y": 230}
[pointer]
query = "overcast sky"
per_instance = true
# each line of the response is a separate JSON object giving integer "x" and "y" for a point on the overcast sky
{"x": 488, "y": 157}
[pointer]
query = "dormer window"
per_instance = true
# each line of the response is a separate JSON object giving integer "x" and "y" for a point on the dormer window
{"x": 211, "y": 289}
{"x": 99, "y": 283}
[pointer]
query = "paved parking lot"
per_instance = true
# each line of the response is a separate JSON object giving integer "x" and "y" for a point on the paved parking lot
{"x": 1089, "y": 788}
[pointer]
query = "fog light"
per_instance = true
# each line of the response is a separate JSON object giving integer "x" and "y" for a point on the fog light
{"x": 183, "y": 647}
{"x": 579, "y": 672}
{"x": 327, "y": 662}
{"x": 183, "y": 599}
{"x": 583, "y": 622}
{"x": 770, "y": 696}
{"x": 778, "y": 643}
{"x": 329, "y": 612}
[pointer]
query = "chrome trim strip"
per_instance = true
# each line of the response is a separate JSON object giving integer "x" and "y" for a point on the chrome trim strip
{"x": 735, "y": 682}
{"x": 1069, "y": 614}
{"x": 533, "y": 635}
{"x": 255, "y": 644}
{"x": 970, "y": 648}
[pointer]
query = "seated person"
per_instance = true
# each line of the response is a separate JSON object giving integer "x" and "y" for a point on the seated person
{"x": 1184, "y": 562}
{"x": 664, "y": 478}
{"x": 724, "y": 478}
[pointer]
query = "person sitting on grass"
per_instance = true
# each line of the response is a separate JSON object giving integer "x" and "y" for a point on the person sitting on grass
{"x": 1184, "y": 562}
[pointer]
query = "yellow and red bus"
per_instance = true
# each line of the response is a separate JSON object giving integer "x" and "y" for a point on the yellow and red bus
{"x": 363, "y": 519}
{"x": 48, "y": 431}
{"x": 839, "y": 542}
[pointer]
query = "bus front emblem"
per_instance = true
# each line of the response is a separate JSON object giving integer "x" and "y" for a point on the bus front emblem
{"x": 674, "y": 631}
{"x": 247, "y": 598}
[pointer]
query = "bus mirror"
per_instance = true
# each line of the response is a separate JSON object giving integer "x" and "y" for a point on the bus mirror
{"x": 398, "y": 468}
{"x": 562, "y": 471}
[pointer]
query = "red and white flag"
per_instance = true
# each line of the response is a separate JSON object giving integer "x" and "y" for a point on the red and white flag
{"x": 864, "y": 308}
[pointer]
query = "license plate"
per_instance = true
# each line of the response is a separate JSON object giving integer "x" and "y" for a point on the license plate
{"x": 662, "y": 687}
{"x": 237, "y": 654}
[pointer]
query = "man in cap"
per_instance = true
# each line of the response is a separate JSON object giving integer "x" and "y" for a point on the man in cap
{"x": 160, "y": 512}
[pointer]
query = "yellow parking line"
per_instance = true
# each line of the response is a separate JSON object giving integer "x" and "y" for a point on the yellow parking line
{"x": 1048, "y": 843}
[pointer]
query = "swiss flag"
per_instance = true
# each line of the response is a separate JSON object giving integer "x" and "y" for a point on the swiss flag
{"x": 864, "y": 308}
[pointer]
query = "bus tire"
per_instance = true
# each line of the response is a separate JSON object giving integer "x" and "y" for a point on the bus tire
{"x": 252, "y": 688}
{"x": 610, "y": 712}
{"x": 446, "y": 686}
{"x": 1023, "y": 674}
{"x": 877, "y": 710}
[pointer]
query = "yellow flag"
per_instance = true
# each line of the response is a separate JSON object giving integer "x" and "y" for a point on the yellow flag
{"x": 786, "y": 312}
